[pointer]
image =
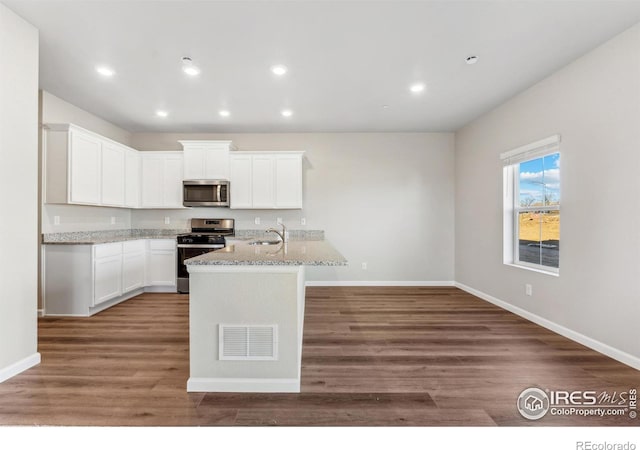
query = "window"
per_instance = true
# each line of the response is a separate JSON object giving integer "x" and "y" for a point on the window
{"x": 532, "y": 205}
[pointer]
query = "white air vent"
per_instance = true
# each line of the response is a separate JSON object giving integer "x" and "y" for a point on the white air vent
{"x": 248, "y": 342}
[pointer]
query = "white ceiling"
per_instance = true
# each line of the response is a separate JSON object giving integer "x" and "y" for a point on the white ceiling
{"x": 346, "y": 59}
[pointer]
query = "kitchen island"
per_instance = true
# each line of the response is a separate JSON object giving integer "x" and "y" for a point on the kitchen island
{"x": 246, "y": 315}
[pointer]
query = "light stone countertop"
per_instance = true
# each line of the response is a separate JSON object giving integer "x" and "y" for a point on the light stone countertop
{"x": 108, "y": 236}
{"x": 293, "y": 253}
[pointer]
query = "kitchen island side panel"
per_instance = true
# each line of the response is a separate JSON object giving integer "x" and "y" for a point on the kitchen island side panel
{"x": 249, "y": 296}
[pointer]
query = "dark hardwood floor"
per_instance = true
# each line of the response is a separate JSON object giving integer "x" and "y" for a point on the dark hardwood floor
{"x": 371, "y": 356}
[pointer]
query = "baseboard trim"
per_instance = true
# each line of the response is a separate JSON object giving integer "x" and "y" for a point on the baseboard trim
{"x": 160, "y": 289}
{"x": 274, "y": 385}
{"x": 20, "y": 366}
{"x": 593, "y": 344}
{"x": 380, "y": 283}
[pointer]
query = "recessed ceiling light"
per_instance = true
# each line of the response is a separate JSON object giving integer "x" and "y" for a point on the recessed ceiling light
{"x": 287, "y": 113}
{"x": 105, "y": 71}
{"x": 162, "y": 113}
{"x": 279, "y": 69}
{"x": 417, "y": 87}
{"x": 189, "y": 68}
{"x": 471, "y": 60}
{"x": 385, "y": 106}
{"x": 224, "y": 113}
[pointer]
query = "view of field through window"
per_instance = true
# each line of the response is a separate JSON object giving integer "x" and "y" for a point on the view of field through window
{"x": 538, "y": 212}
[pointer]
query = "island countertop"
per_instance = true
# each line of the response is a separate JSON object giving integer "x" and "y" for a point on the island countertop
{"x": 293, "y": 253}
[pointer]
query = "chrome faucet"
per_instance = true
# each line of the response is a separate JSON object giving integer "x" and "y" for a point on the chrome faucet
{"x": 283, "y": 235}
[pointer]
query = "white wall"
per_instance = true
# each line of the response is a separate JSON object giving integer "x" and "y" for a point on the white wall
{"x": 74, "y": 217}
{"x": 56, "y": 110}
{"x": 83, "y": 218}
{"x": 594, "y": 103}
{"x": 382, "y": 198}
{"x": 18, "y": 194}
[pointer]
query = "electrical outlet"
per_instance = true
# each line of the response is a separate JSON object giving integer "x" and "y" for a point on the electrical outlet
{"x": 303, "y": 221}
{"x": 364, "y": 266}
{"x": 528, "y": 290}
{"x": 167, "y": 220}
{"x": 257, "y": 220}
{"x": 56, "y": 220}
{"x": 279, "y": 220}
{"x": 113, "y": 220}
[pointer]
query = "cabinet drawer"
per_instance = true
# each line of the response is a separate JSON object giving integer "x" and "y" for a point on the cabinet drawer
{"x": 162, "y": 244}
{"x": 133, "y": 246}
{"x": 105, "y": 250}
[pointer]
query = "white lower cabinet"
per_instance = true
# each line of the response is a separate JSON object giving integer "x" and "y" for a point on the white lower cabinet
{"x": 107, "y": 272}
{"x": 133, "y": 265}
{"x": 81, "y": 280}
{"x": 161, "y": 263}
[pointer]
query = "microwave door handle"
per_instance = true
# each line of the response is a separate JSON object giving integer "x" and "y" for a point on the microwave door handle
{"x": 219, "y": 193}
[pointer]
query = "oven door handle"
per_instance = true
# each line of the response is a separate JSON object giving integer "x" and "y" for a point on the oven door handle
{"x": 212, "y": 247}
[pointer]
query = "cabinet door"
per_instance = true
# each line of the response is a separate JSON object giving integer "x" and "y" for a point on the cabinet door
{"x": 113, "y": 175}
{"x": 194, "y": 163}
{"x": 206, "y": 160}
{"x": 152, "y": 181}
{"x": 132, "y": 180}
{"x": 288, "y": 184}
{"x": 107, "y": 278}
{"x": 132, "y": 271}
{"x": 262, "y": 181}
{"x": 172, "y": 186}
{"x": 240, "y": 181}
{"x": 161, "y": 269}
{"x": 84, "y": 168}
{"x": 216, "y": 163}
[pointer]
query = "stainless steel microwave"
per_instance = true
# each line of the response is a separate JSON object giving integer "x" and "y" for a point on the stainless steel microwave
{"x": 205, "y": 193}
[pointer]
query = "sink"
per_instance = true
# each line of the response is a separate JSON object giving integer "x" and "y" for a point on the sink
{"x": 264, "y": 242}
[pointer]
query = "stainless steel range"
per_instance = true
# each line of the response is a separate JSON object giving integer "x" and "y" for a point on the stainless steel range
{"x": 206, "y": 236}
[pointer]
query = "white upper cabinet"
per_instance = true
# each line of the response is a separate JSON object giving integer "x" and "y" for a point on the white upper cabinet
{"x": 152, "y": 179}
{"x": 262, "y": 180}
{"x": 162, "y": 179}
{"x": 206, "y": 160}
{"x": 84, "y": 168}
{"x": 113, "y": 175}
{"x": 240, "y": 181}
{"x": 132, "y": 175}
{"x": 288, "y": 181}
{"x": 266, "y": 180}
{"x": 173, "y": 170}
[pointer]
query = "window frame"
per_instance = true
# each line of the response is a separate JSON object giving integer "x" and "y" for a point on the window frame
{"x": 511, "y": 200}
